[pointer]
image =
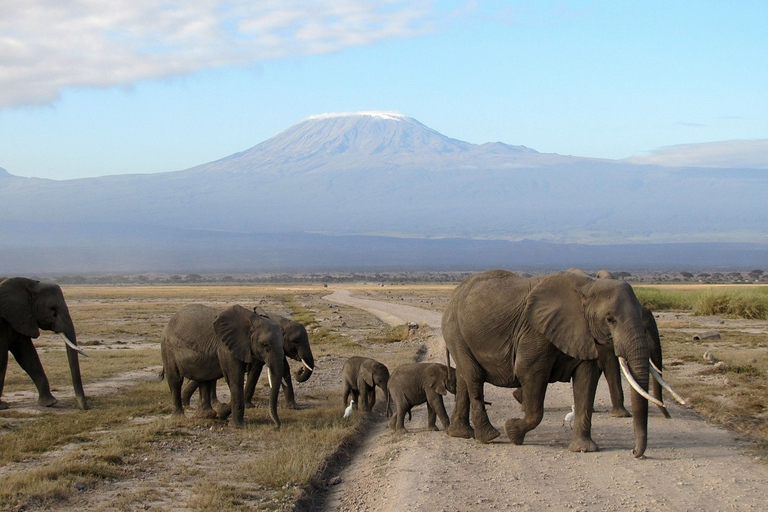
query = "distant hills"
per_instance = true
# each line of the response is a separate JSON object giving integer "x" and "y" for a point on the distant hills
{"x": 378, "y": 189}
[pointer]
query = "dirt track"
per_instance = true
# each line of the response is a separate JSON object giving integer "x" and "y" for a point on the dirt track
{"x": 689, "y": 465}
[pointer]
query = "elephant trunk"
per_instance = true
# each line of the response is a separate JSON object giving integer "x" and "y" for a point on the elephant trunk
{"x": 74, "y": 364}
{"x": 275, "y": 372}
{"x": 637, "y": 360}
{"x": 307, "y": 366}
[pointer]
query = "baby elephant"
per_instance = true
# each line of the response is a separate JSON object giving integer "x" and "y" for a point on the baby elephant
{"x": 413, "y": 384}
{"x": 360, "y": 376}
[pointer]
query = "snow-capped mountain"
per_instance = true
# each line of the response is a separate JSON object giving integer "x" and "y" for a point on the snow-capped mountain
{"x": 387, "y": 175}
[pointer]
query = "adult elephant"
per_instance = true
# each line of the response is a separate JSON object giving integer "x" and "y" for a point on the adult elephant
{"x": 295, "y": 345}
{"x": 202, "y": 344}
{"x": 511, "y": 331}
{"x": 26, "y": 306}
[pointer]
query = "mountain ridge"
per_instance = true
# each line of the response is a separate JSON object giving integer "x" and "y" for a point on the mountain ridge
{"x": 387, "y": 174}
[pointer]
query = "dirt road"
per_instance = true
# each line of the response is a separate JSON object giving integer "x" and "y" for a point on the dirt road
{"x": 689, "y": 465}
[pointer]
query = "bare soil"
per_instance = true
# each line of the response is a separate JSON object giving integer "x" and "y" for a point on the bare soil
{"x": 689, "y": 464}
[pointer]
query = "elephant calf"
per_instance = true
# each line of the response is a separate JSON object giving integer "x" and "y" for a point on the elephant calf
{"x": 413, "y": 384}
{"x": 360, "y": 377}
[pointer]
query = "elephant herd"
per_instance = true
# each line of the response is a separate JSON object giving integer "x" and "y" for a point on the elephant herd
{"x": 499, "y": 328}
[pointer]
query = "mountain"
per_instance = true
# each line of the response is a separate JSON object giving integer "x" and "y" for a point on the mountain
{"x": 380, "y": 176}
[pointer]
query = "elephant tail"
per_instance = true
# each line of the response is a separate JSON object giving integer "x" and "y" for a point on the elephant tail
{"x": 447, "y": 358}
{"x": 161, "y": 376}
{"x": 389, "y": 405}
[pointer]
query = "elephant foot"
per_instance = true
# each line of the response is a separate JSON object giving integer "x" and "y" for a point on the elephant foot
{"x": 514, "y": 429}
{"x": 486, "y": 433}
{"x": 3, "y": 405}
{"x": 459, "y": 430}
{"x": 223, "y": 411}
{"x": 249, "y": 405}
{"x": 620, "y": 412}
{"x": 235, "y": 423}
{"x": 292, "y": 405}
{"x": 207, "y": 414}
{"x": 47, "y": 401}
{"x": 432, "y": 428}
{"x": 518, "y": 394}
{"x": 177, "y": 413}
{"x": 582, "y": 444}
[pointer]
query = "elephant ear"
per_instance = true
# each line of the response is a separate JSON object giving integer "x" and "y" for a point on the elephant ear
{"x": 555, "y": 308}
{"x": 366, "y": 373}
{"x": 436, "y": 379}
{"x": 233, "y": 327}
{"x": 16, "y": 306}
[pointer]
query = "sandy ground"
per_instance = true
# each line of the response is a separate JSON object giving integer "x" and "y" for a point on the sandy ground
{"x": 689, "y": 465}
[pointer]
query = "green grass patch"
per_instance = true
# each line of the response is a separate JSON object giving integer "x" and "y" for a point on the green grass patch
{"x": 741, "y": 303}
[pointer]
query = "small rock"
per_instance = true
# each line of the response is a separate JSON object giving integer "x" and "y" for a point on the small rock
{"x": 80, "y": 486}
{"x": 709, "y": 357}
{"x": 707, "y": 335}
{"x": 720, "y": 364}
{"x": 335, "y": 480}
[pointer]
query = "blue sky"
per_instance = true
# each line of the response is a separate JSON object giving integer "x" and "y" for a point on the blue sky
{"x": 136, "y": 86}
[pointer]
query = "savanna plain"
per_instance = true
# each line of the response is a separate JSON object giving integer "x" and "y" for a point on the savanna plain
{"x": 127, "y": 453}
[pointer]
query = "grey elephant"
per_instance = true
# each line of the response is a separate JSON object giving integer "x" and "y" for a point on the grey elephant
{"x": 511, "y": 331}
{"x": 416, "y": 383}
{"x": 361, "y": 376}
{"x": 202, "y": 344}
{"x": 26, "y": 306}
{"x": 295, "y": 345}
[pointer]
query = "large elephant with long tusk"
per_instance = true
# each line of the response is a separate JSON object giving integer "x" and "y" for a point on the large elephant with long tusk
{"x": 523, "y": 333}
{"x": 26, "y": 306}
{"x": 202, "y": 344}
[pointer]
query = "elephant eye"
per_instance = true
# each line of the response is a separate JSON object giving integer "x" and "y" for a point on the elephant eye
{"x": 611, "y": 320}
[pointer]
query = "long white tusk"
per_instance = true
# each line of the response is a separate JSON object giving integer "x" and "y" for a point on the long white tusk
{"x": 269, "y": 376}
{"x": 285, "y": 382}
{"x": 635, "y": 385}
{"x": 308, "y": 367}
{"x": 657, "y": 375}
{"x": 654, "y": 366}
{"x": 72, "y": 345}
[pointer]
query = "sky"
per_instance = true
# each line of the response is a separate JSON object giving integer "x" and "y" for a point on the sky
{"x": 100, "y": 87}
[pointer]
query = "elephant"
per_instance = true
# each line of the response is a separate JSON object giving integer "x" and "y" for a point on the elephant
{"x": 360, "y": 376}
{"x": 295, "y": 345}
{"x": 202, "y": 344}
{"x": 416, "y": 383}
{"x": 26, "y": 306}
{"x": 512, "y": 331}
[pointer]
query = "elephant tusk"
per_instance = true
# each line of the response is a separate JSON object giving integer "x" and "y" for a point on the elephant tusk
{"x": 635, "y": 385}
{"x": 308, "y": 367}
{"x": 285, "y": 382}
{"x": 657, "y": 375}
{"x": 72, "y": 345}
{"x": 269, "y": 376}
{"x": 654, "y": 366}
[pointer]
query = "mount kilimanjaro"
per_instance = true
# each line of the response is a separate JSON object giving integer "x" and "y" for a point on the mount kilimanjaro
{"x": 382, "y": 190}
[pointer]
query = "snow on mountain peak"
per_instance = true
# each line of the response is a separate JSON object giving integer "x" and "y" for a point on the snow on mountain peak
{"x": 389, "y": 116}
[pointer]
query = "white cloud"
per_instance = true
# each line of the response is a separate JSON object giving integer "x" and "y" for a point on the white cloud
{"x": 50, "y": 45}
{"x": 747, "y": 154}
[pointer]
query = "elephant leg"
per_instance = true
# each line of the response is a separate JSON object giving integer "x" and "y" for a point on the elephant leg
{"x": 235, "y": 379}
{"x": 613, "y": 377}
{"x": 436, "y": 402}
{"x": 204, "y": 407}
{"x": 484, "y": 431}
{"x": 187, "y": 391}
{"x": 460, "y": 418}
{"x": 174, "y": 384}
{"x": 371, "y": 398}
{"x": 250, "y": 384}
{"x": 223, "y": 410}
{"x": 518, "y": 394}
{"x": 26, "y": 355}
{"x": 3, "y": 368}
{"x": 402, "y": 410}
{"x": 431, "y": 418}
{"x": 585, "y": 380}
{"x": 287, "y": 383}
{"x": 362, "y": 395}
{"x": 533, "y": 410}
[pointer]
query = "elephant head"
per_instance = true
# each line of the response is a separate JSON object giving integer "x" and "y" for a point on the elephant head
{"x": 441, "y": 378}
{"x": 375, "y": 374}
{"x": 253, "y": 338}
{"x": 576, "y": 312}
{"x": 28, "y": 306}
{"x": 295, "y": 343}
